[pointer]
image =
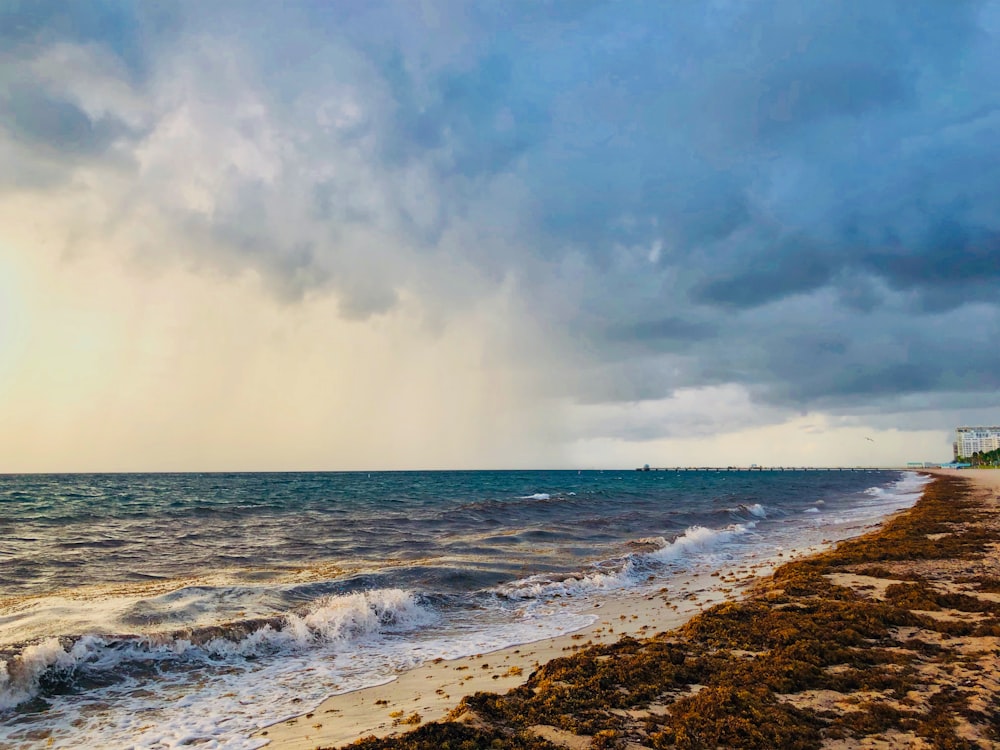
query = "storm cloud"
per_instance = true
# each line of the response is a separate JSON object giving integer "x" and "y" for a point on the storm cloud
{"x": 801, "y": 199}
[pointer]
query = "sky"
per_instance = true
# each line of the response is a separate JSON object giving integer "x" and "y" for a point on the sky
{"x": 430, "y": 235}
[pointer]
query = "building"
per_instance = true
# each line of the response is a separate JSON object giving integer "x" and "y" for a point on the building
{"x": 975, "y": 440}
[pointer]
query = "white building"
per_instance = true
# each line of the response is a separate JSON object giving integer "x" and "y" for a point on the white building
{"x": 976, "y": 440}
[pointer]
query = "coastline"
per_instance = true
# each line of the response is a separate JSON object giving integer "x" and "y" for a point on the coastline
{"x": 428, "y": 693}
{"x": 267, "y": 643}
{"x": 887, "y": 640}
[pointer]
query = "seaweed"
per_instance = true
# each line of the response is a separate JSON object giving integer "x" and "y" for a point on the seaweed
{"x": 577, "y": 692}
{"x": 454, "y": 736}
{"x": 939, "y": 724}
{"x": 729, "y": 717}
{"x": 986, "y": 584}
{"x": 876, "y": 717}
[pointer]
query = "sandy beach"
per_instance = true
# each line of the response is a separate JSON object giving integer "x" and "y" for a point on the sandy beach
{"x": 888, "y": 640}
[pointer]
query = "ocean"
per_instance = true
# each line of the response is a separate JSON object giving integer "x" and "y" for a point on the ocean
{"x": 160, "y": 610}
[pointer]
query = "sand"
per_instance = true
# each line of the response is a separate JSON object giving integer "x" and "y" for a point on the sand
{"x": 429, "y": 692}
{"x": 432, "y": 690}
{"x": 984, "y": 479}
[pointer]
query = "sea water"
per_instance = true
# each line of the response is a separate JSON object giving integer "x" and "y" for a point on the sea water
{"x": 160, "y": 610}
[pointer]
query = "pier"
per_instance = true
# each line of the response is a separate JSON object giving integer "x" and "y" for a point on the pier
{"x": 769, "y": 468}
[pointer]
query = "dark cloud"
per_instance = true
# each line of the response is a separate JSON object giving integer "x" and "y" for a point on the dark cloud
{"x": 41, "y": 120}
{"x": 671, "y": 329}
{"x": 793, "y": 265}
{"x": 473, "y": 120}
{"x": 842, "y": 358}
{"x": 800, "y": 198}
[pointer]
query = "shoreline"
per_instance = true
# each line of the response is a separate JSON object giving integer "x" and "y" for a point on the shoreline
{"x": 862, "y": 645}
{"x": 433, "y": 689}
{"x": 429, "y": 692}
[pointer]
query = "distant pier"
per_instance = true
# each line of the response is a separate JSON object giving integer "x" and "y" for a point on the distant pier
{"x": 768, "y": 468}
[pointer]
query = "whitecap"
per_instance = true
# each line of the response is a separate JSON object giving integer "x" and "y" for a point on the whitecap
{"x": 624, "y": 572}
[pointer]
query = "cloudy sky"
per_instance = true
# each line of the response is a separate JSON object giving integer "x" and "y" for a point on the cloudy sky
{"x": 356, "y": 235}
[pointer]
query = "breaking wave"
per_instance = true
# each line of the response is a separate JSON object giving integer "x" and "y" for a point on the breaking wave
{"x": 628, "y": 570}
{"x": 334, "y": 620}
{"x": 908, "y": 485}
{"x": 752, "y": 510}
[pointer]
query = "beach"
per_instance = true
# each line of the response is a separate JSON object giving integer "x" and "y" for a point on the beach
{"x": 238, "y": 610}
{"x": 890, "y": 639}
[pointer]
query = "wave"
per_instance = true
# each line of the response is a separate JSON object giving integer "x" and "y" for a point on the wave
{"x": 341, "y": 620}
{"x": 907, "y": 486}
{"x": 699, "y": 539}
{"x": 628, "y": 570}
{"x": 902, "y": 493}
{"x": 546, "y": 495}
{"x": 755, "y": 510}
{"x": 878, "y": 491}
{"x": 522, "y": 502}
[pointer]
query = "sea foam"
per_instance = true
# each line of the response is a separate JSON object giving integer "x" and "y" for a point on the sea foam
{"x": 333, "y": 620}
{"x": 629, "y": 570}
